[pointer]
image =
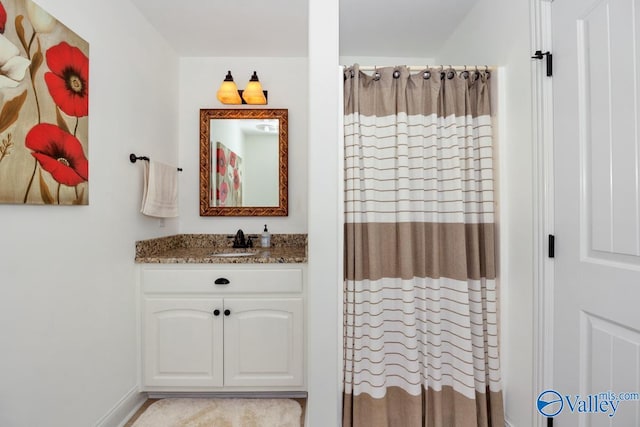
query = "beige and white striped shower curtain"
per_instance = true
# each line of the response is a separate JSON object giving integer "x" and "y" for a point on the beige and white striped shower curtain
{"x": 420, "y": 298}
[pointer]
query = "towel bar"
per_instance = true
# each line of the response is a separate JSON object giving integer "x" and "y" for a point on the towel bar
{"x": 133, "y": 158}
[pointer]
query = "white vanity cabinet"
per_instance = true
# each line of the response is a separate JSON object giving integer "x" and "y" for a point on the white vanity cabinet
{"x": 226, "y": 327}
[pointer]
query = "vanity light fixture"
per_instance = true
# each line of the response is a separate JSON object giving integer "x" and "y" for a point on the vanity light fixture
{"x": 252, "y": 94}
{"x": 228, "y": 91}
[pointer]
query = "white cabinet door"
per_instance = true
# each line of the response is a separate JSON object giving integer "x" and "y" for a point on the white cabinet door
{"x": 182, "y": 342}
{"x": 263, "y": 342}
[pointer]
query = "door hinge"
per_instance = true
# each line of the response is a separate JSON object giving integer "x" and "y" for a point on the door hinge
{"x": 552, "y": 246}
{"x": 539, "y": 55}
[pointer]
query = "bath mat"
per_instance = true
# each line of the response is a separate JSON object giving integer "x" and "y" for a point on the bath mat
{"x": 221, "y": 413}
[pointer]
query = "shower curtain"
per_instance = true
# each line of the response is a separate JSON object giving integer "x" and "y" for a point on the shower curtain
{"x": 420, "y": 298}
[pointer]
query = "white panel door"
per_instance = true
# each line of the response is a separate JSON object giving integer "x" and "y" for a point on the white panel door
{"x": 596, "y": 47}
{"x": 182, "y": 342}
{"x": 263, "y": 342}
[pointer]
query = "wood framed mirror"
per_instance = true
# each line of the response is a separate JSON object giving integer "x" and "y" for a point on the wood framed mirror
{"x": 244, "y": 162}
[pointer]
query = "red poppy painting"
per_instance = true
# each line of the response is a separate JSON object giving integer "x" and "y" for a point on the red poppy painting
{"x": 68, "y": 80}
{"x": 3, "y": 18}
{"x": 223, "y": 192}
{"x": 44, "y": 91}
{"x": 221, "y": 161}
{"x": 228, "y": 177}
{"x": 236, "y": 179}
{"x": 59, "y": 153}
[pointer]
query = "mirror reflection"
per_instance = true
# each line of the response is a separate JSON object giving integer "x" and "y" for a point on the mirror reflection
{"x": 243, "y": 162}
{"x": 245, "y": 152}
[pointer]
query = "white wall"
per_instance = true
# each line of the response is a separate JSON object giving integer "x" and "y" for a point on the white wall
{"x": 229, "y": 133}
{"x": 496, "y": 32}
{"x": 67, "y": 288}
{"x": 286, "y": 81}
{"x": 324, "y": 309}
{"x": 385, "y": 61}
{"x": 261, "y": 172}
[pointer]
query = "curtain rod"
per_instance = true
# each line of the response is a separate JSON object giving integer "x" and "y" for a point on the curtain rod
{"x": 422, "y": 67}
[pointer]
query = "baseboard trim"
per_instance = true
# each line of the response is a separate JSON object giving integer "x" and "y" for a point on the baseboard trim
{"x": 232, "y": 394}
{"x": 124, "y": 409}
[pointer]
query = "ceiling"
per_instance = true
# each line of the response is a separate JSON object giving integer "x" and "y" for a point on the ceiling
{"x": 278, "y": 28}
{"x": 398, "y": 28}
{"x": 230, "y": 27}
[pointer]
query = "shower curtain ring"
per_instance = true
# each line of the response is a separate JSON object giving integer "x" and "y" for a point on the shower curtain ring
{"x": 465, "y": 73}
{"x": 376, "y": 74}
{"x": 487, "y": 72}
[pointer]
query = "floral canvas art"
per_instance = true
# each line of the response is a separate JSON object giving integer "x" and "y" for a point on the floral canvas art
{"x": 44, "y": 113}
{"x": 228, "y": 177}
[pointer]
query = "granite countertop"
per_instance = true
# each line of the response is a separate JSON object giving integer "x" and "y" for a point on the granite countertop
{"x": 201, "y": 249}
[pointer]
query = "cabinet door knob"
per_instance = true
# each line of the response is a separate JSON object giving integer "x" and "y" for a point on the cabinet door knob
{"x": 227, "y": 312}
{"x": 222, "y": 281}
{"x": 216, "y": 312}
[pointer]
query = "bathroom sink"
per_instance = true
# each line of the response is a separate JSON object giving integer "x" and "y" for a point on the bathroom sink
{"x": 234, "y": 254}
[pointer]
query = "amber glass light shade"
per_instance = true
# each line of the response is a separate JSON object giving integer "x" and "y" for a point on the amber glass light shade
{"x": 228, "y": 91}
{"x": 253, "y": 93}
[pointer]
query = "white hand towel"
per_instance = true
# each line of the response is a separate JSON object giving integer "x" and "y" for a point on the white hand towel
{"x": 160, "y": 192}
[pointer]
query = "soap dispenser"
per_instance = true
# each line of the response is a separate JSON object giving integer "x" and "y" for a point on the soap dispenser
{"x": 265, "y": 238}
